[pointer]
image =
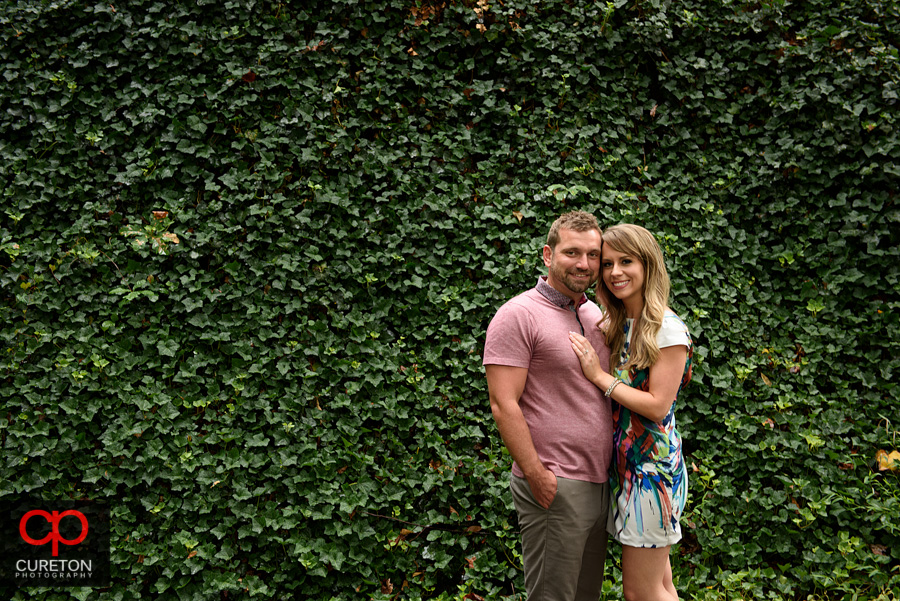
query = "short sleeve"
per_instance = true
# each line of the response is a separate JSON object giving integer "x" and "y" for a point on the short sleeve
{"x": 510, "y": 337}
{"x": 673, "y": 332}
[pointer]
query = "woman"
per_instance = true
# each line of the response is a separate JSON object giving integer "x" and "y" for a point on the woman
{"x": 650, "y": 352}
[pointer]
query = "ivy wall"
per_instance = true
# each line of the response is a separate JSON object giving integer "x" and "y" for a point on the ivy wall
{"x": 249, "y": 250}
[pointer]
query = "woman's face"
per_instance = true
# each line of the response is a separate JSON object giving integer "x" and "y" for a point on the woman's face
{"x": 623, "y": 275}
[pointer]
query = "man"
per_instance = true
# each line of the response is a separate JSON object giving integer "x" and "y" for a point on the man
{"x": 556, "y": 424}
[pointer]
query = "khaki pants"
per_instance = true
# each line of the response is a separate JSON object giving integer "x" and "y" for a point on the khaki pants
{"x": 564, "y": 547}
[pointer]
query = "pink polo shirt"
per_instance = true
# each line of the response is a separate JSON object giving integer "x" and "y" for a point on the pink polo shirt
{"x": 569, "y": 418}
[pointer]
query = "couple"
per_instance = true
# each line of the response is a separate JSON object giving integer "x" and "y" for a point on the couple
{"x": 584, "y": 400}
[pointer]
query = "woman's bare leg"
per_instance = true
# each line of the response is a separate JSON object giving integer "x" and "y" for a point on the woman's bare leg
{"x": 667, "y": 581}
{"x": 645, "y": 573}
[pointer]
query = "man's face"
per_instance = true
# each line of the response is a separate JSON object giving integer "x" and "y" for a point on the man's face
{"x": 574, "y": 263}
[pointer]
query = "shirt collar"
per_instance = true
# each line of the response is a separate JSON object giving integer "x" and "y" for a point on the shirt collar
{"x": 556, "y": 297}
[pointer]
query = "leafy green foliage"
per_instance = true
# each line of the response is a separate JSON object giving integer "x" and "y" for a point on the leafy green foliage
{"x": 249, "y": 250}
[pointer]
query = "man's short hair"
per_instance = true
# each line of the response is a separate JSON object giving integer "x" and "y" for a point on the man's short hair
{"x": 578, "y": 221}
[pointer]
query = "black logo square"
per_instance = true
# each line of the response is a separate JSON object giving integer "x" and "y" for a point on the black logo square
{"x": 54, "y": 543}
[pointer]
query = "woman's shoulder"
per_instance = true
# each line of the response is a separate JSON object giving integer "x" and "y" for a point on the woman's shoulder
{"x": 673, "y": 331}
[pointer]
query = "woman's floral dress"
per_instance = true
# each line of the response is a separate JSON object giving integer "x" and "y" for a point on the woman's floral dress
{"x": 648, "y": 478}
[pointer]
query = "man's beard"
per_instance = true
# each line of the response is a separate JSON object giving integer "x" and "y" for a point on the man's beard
{"x": 577, "y": 286}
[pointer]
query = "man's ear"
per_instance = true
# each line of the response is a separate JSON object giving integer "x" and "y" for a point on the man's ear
{"x": 548, "y": 254}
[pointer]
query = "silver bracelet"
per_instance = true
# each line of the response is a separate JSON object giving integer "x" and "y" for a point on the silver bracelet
{"x": 612, "y": 386}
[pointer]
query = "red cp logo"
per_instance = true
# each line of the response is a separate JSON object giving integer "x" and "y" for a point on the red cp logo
{"x": 54, "y": 536}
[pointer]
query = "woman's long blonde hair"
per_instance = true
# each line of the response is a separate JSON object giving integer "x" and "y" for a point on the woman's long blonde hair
{"x": 643, "y": 350}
